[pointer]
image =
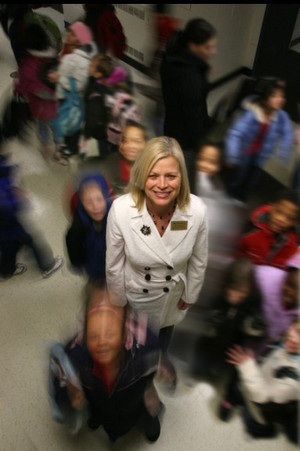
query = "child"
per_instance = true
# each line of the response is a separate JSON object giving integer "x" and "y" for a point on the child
{"x": 209, "y": 164}
{"x": 223, "y": 216}
{"x": 280, "y": 291}
{"x": 115, "y": 360}
{"x": 96, "y": 113}
{"x": 117, "y": 166}
{"x": 273, "y": 236}
{"x": 13, "y": 235}
{"x": 133, "y": 141}
{"x": 272, "y": 388}
{"x": 236, "y": 317}
{"x": 75, "y": 65}
{"x": 34, "y": 86}
{"x": 85, "y": 238}
{"x": 256, "y": 133}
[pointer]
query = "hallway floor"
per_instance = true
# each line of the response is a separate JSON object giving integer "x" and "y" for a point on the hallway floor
{"x": 36, "y": 311}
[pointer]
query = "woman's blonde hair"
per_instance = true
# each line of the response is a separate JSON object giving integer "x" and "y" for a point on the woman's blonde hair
{"x": 156, "y": 149}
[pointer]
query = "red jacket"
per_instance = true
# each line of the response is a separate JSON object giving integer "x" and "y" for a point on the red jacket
{"x": 264, "y": 247}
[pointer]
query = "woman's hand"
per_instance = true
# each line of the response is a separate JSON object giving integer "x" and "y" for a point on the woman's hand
{"x": 183, "y": 305}
{"x": 237, "y": 355}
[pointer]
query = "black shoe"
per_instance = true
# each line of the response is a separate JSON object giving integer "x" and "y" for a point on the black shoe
{"x": 255, "y": 429}
{"x": 225, "y": 411}
{"x": 151, "y": 427}
{"x": 93, "y": 423}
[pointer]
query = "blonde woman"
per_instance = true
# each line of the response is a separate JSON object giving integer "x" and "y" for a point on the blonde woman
{"x": 157, "y": 239}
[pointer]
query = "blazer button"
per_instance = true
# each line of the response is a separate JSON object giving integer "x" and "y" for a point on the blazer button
{"x": 147, "y": 277}
{"x": 166, "y": 290}
{"x": 168, "y": 278}
{"x": 145, "y": 290}
{"x": 170, "y": 267}
{"x": 147, "y": 268}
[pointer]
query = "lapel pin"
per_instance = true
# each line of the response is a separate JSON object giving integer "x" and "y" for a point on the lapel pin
{"x": 145, "y": 230}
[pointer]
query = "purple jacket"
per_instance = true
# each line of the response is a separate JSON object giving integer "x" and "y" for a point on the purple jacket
{"x": 41, "y": 97}
{"x": 270, "y": 281}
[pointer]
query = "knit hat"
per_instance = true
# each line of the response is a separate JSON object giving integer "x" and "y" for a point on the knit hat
{"x": 82, "y": 32}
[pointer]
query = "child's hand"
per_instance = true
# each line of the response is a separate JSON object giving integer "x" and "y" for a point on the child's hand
{"x": 76, "y": 396}
{"x": 237, "y": 355}
{"x": 53, "y": 76}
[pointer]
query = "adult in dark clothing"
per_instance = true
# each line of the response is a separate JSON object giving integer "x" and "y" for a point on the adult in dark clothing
{"x": 114, "y": 360}
{"x": 183, "y": 72}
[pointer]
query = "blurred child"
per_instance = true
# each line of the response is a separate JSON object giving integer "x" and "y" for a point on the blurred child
{"x": 272, "y": 237}
{"x": 32, "y": 84}
{"x": 133, "y": 141}
{"x": 209, "y": 165}
{"x": 13, "y": 235}
{"x": 271, "y": 389}
{"x": 280, "y": 291}
{"x": 96, "y": 112}
{"x": 236, "y": 318}
{"x": 85, "y": 239}
{"x": 224, "y": 218}
{"x": 115, "y": 360}
{"x": 259, "y": 130}
{"x": 74, "y": 65}
{"x": 117, "y": 166}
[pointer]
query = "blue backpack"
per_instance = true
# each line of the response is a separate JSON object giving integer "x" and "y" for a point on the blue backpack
{"x": 70, "y": 114}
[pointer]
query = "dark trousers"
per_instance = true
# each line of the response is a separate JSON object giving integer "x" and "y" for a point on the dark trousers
{"x": 244, "y": 178}
{"x": 165, "y": 337}
{"x": 72, "y": 142}
{"x": 9, "y": 249}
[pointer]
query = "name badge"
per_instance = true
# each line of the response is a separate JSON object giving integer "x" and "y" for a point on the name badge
{"x": 179, "y": 225}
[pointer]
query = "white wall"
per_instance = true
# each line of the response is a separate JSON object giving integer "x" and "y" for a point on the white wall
{"x": 238, "y": 27}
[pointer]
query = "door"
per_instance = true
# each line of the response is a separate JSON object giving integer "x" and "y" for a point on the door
{"x": 278, "y": 52}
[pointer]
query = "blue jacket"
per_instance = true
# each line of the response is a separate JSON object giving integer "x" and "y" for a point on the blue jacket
{"x": 87, "y": 246}
{"x": 245, "y": 128}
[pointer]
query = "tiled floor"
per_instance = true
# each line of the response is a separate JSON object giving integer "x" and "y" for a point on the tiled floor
{"x": 34, "y": 311}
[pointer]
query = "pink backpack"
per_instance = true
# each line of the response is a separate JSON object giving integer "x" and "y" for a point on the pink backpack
{"x": 123, "y": 108}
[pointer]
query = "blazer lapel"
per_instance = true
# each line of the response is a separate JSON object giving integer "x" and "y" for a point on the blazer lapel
{"x": 143, "y": 226}
{"x": 182, "y": 224}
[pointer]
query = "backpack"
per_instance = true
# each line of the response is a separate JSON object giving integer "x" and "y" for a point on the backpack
{"x": 122, "y": 108}
{"x": 70, "y": 113}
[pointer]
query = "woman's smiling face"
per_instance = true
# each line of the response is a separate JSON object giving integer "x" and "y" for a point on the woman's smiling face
{"x": 163, "y": 184}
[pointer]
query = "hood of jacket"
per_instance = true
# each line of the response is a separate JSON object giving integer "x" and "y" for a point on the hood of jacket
{"x": 249, "y": 104}
{"x": 260, "y": 219}
{"x": 103, "y": 185}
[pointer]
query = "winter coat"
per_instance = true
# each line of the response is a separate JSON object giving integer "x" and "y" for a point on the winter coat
{"x": 32, "y": 84}
{"x": 244, "y": 131}
{"x": 86, "y": 245}
{"x": 263, "y": 246}
{"x": 270, "y": 281}
{"x": 275, "y": 381}
{"x": 76, "y": 65}
{"x": 96, "y": 112}
{"x": 184, "y": 89}
{"x": 152, "y": 272}
{"x": 120, "y": 409}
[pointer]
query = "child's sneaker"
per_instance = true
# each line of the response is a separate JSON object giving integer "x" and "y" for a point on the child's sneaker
{"x": 58, "y": 262}
{"x": 20, "y": 269}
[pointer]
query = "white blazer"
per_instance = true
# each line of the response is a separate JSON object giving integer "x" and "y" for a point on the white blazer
{"x": 152, "y": 272}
